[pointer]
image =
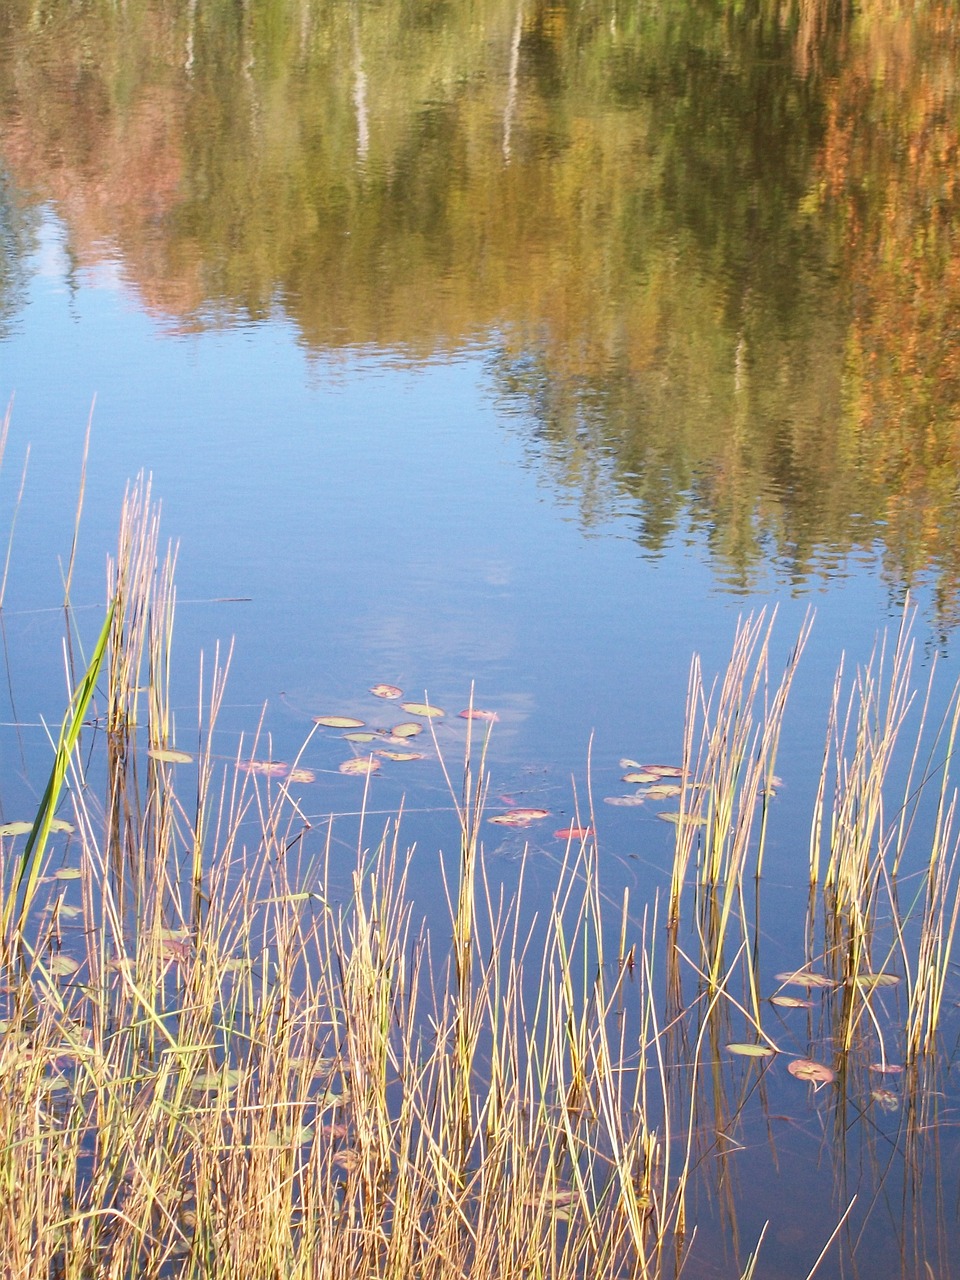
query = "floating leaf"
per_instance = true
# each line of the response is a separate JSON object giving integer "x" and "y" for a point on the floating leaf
{"x": 519, "y": 817}
{"x": 386, "y": 691}
{"x": 885, "y": 1099}
{"x": 360, "y": 764}
{"x": 62, "y": 965}
{"x": 686, "y": 819}
{"x": 67, "y": 873}
{"x": 166, "y": 755}
{"x": 422, "y": 709}
{"x": 302, "y": 775}
{"x": 627, "y": 763}
{"x": 561, "y": 1202}
{"x": 868, "y": 981}
{"x": 300, "y": 1137}
{"x": 663, "y": 770}
{"x": 573, "y": 833}
{"x": 361, "y": 736}
{"x": 751, "y": 1050}
{"x": 802, "y": 978}
{"x": 265, "y": 768}
{"x": 347, "y": 1159}
{"x": 639, "y": 777}
{"x": 178, "y": 949}
{"x": 887, "y": 1068}
{"x": 662, "y": 791}
{"x": 211, "y": 1081}
{"x": 474, "y": 713}
{"x": 24, "y": 828}
{"x": 791, "y": 1002}
{"x": 402, "y": 755}
{"x": 408, "y": 730}
{"x": 635, "y": 799}
{"x": 338, "y": 722}
{"x": 806, "y": 1069}
{"x": 67, "y": 912}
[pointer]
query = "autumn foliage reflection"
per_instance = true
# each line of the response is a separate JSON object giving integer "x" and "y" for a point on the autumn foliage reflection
{"x": 715, "y": 244}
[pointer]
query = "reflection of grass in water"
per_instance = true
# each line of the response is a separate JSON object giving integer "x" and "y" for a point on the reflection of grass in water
{"x": 215, "y": 1062}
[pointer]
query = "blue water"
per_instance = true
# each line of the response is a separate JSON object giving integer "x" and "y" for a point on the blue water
{"x": 360, "y": 516}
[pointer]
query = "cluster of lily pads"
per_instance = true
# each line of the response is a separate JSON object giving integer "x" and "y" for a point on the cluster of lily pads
{"x": 808, "y": 1069}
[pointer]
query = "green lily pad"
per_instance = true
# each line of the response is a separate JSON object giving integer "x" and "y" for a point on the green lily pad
{"x": 422, "y": 709}
{"x": 166, "y": 755}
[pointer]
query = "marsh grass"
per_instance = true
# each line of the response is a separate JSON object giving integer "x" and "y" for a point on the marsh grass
{"x": 232, "y": 1064}
{"x": 222, "y": 1055}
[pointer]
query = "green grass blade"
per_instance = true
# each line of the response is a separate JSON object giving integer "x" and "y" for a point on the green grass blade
{"x": 27, "y": 874}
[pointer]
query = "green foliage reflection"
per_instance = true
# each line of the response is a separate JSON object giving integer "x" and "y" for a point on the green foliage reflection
{"x": 716, "y": 242}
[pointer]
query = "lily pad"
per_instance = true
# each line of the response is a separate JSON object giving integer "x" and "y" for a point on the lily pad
{"x": 422, "y": 709}
{"x": 804, "y": 978}
{"x": 212, "y": 1081}
{"x": 179, "y": 949}
{"x": 636, "y": 799}
{"x": 402, "y": 755}
{"x": 167, "y": 755}
{"x": 408, "y": 730}
{"x": 67, "y": 873}
{"x": 887, "y": 1068}
{"x": 264, "y": 768}
{"x": 474, "y": 713}
{"x": 663, "y": 770}
{"x": 519, "y": 817}
{"x": 386, "y": 691}
{"x": 683, "y": 819}
{"x": 360, "y": 765}
{"x": 869, "y": 981}
{"x": 885, "y": 1099}
{"x": 662, "y": 791}
{"x": 751, "y": 1050}
{"x": 573, "y": 833}
{"x": 63, "y": 966}
{"x": 302, "y": 775}
{"x": 25, "y": 827}
{"x": 362, "y": 735}
{"x": 338, "y": 722}
{"x": 640, "y": 776}
{"x": 806, "y": 1069}
{"x": 791, "y": 1002}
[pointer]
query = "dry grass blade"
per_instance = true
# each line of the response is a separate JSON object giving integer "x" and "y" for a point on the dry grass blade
{"x": 249, "y": 1059}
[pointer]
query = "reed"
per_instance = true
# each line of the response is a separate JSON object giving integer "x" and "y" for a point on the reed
{"x": 731, "y": 739}
{"x": 232, "y": 1064}
{"x": 222, "y": 1055}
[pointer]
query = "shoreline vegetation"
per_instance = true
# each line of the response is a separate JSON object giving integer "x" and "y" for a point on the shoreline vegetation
{"x": 222, "y": 1056}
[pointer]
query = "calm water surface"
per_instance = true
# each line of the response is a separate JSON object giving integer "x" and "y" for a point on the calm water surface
{"x": 514, "y": 345}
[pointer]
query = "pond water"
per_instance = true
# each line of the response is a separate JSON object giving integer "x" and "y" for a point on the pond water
{"x": 502, "y": 345}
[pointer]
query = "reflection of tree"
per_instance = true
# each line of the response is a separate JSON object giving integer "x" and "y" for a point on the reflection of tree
{"x": 16, "y": 241}
{"x": 656, "y": 209}
{"x": 889, "y": 179}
